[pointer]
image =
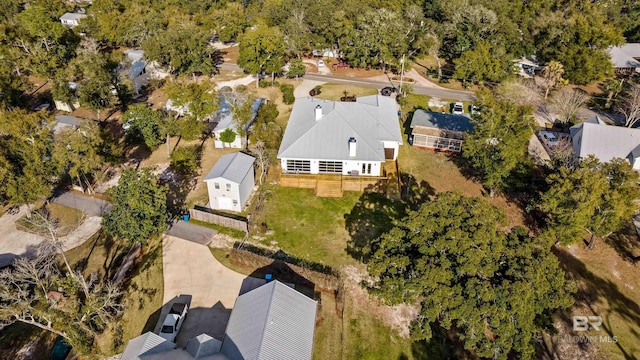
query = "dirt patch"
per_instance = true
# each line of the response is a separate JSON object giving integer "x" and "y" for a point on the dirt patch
{"x": 158, "y": 99}
{"x": 231, "y": 54}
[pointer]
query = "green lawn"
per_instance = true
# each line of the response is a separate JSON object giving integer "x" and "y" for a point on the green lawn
{"x": 336, "y": 91}
{"x": 307, "y": 226}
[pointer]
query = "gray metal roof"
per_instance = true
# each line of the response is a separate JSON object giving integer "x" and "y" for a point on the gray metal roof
{"x": 203, "y": 345}
{"x": 370, "y": 120}
{"x": 233, "y": 167}
{"x": 72, "y": 16}
{"x": 441, "y": 121}
{"x": 623, "y": 56}
{"x": 272, "y": 322}
{"x": 146, "y": 344}
{"x": 224, "y": 117}
{"x": 605, "y": 142}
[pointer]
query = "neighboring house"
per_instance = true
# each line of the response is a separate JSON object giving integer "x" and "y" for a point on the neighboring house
{"x": 135, "y": 68}
{"x": 65, "y": 121}
{"x": 527, "y": 67}
{"x": 348, "y": 138}
{"x": 68, "y": 106}
{"x": 326, "y": 53}
{"x": 230, "y": 181}
{"x": 224, "y": 119}
{"x": 72, "y": 19}
{"x": 272, "y": 322}
{"x": 439, "y": 131}
{"x": 606, "y": 142}
{"x": 625, "y": 57}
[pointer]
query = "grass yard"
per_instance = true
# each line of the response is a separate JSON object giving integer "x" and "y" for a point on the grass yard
{"x": 221, "y": 229}
{"x": 68, "y": 219}
{"x": 307, "y": 226}
{"x": 336, "y": 91}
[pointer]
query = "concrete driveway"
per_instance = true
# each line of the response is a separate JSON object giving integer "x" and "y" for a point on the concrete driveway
{"x": 190, "y": 269}
{"x": 87, "y": 204}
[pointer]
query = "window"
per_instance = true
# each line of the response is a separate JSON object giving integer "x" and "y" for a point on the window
{"x": 364, "y": 168}
{"x": 217, "y": 186}
{"x": 369, "y": 169}
{"x": 299, "y": 166}
{"x": 330, "y": 167}
{"x": 228, "y": 187}
{"x": 235, "y": 202}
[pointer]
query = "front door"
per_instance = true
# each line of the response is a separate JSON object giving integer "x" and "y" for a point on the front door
{"x": 225, "y": 203}
{"x": 389, "y": 153}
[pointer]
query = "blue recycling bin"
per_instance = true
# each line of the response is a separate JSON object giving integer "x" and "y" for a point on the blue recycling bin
{"x": 268, "y": 277}
{"x": 185, "y": 217}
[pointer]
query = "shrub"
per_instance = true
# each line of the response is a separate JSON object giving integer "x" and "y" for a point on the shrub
{"x": 185, "y": 160}
{"x": 287, "y": 94}
{"x": 264, "y": 83}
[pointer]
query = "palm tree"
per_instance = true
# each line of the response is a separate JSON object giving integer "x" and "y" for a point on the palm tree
{"x": 613, "y": 87}
{"x": 552, "y": 75}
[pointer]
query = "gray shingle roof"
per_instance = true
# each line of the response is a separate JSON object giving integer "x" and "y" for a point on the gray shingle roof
{"x": 272, "y": 322}
{"x": 233, "y": 167}
{"x": 146, "y": 344}
{"x": 441, "y": 121}
{"x": 203, "y": 345}
{"x": 605, "y": 142}
{"x": 623, "y": 56}
{"x": 370, "y": 120}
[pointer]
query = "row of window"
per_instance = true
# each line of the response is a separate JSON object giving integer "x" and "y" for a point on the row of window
{"x": 324, "y": 167}
{"x": 217, "y": 186}
{"x": 436, "y": 142}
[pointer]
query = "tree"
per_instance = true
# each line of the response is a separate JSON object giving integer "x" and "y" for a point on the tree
{"x": 139, "y": 207}
{"x": 200, "y": 102}
{"x": 629, "y": 106}
{"x": 552, "y": 76}
{"x": 612, "y": 87}
{"x": 594, "y": 197}
{"x": 143, "y": 124}
{"x": 484, "y": 62}
{"x": 75, "y": 152}
{"x": 261, "y": 50}
{"x": 185, "y": 160}
{"x": 499, "y": 140}
{"x": 469, "y": 276}
{"x": 568, "y": 102}
{"x": 97, "y": 81}
{"x": 296, "y": 68}
{"x": 520, "y": 92}
{"x": 228, "y": 136}
{"x": 229, "y": 22}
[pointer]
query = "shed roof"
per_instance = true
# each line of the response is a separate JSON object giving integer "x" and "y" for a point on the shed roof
{"x": 451, "y": 122}
{"x": 623, "y": 56}
{"x": 72, "y": 16}
{"x": 605, "y": 142}
{"x": 233, "y": 167}
{"x": 146, "y": 344}
{"x": 273, "y": 321}
{"x": 370, "y": 120}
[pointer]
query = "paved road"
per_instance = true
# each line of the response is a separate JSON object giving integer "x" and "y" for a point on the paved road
{"x": 417, "y": 89}
{"x": 189, "y": 268}
{"x": 192, "y": 232}
{"x": 90, "y": 206}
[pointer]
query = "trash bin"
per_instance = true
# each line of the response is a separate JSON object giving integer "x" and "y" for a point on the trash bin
{"x": 268, "y": 277}
{"x": 185, "y": 217}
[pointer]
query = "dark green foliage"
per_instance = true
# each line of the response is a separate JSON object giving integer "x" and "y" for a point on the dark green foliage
{"x": 185, "y": 160}
{"x": 450, "y": 256}
{"x": 228, "y": 136}
{"x": 265, "y": 130}
{"x": 139, "y": 207}
{"x": 287, "y": 94}
{"x": 144, "y": 125}
{"x": 296, "y": 68}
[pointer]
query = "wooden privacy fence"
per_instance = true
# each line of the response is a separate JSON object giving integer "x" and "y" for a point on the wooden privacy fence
{"x": 219, "y": 219}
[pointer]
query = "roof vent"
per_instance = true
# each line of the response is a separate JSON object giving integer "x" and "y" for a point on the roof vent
{"x": 318, "y": 112}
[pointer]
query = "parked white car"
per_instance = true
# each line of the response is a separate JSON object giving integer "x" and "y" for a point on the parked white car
{"x": 458, "y": 108}
{"x": 548, "y": 138}
{"x": 173, "y": 322}
{"x": 320, "y": 63}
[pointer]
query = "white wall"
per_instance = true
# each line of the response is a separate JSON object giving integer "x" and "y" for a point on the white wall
{"x": 238, "y": 143}
{"x": 394, "y": 145}
{"x": 347, "y": 166}
{"x": 214, "y": 193}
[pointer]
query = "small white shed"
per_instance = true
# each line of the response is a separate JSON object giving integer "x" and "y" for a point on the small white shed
{"x": 231, "y": 181}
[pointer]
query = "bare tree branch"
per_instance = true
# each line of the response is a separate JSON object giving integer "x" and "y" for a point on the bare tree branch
{"x": 629, "y": 106}
{"x": 568, "y": 102}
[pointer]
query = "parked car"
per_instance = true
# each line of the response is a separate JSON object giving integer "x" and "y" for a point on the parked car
{"x": 341, "y": 65}
{"x": 320, "y": 63}
{"x": 458, "y": 108}
{"x": 173, "y": 322}
{"x": 44, "y": 106}
{"x": 474, "y": 109}
{"x": 549, "y": 138}
{"x": 387, "y": 91}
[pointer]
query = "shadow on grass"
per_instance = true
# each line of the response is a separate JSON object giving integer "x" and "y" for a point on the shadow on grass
{"x": 375, "y": 214}
{"x": 596, "y": 289}
{"x": 626, "y": 243}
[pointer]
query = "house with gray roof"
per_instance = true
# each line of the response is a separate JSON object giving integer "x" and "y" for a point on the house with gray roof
{"x": 347, "y": 138}
{"x": 272, "y": 322}
{"x": 224, "y": 120}
{"x": 439, "y": 131}
{"x": 66, "y": 121}
{"x": 231, "y": 181}
{"x": 72, "y": 19}
{"x": 606, "y": 142}
{"x": 625, "y": 58}
{"x": 134, "y": 67}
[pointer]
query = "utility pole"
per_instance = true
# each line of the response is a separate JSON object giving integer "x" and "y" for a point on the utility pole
{"x": 401, "y": 73}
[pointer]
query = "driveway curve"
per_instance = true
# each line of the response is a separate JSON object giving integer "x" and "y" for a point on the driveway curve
{"x": 189, "y": 268}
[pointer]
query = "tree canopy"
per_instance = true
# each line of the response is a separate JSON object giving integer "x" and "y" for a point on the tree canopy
{"x": 492, "y": 286}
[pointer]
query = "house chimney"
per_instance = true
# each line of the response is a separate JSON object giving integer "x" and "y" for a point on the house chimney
{"x": 352, "y": 147}
{"x": 318, "y": 112}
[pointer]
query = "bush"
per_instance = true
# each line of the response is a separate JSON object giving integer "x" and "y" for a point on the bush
{"x": 287, "y": 94}
{"x": 185, "y": 160}
{"x": 264, "y": 83}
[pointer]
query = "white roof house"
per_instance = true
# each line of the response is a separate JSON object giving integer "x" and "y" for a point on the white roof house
{"x": 606, "y": 142}
{"x": 624, "y": 58}
{"x": 346, "y": 138}
{"x": 72, "y": 19}
{"x": 231, "y": 181}
{"x": 65, "y": 121}
{"x": 135, "y": 68}
{"x": 224, "y": 119}
{"x": 272, "y": 322}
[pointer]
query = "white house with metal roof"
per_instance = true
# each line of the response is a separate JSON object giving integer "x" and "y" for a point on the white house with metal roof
{"x": 231, "y": 181}
{"x": 224, "y": 120}
{"x": 348, "y": 138}
{"x": 625, "y": 57}
{"x": 72, "y": 19}
{"x": 606, "y": 142}
{"x": 272, "y": 322}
